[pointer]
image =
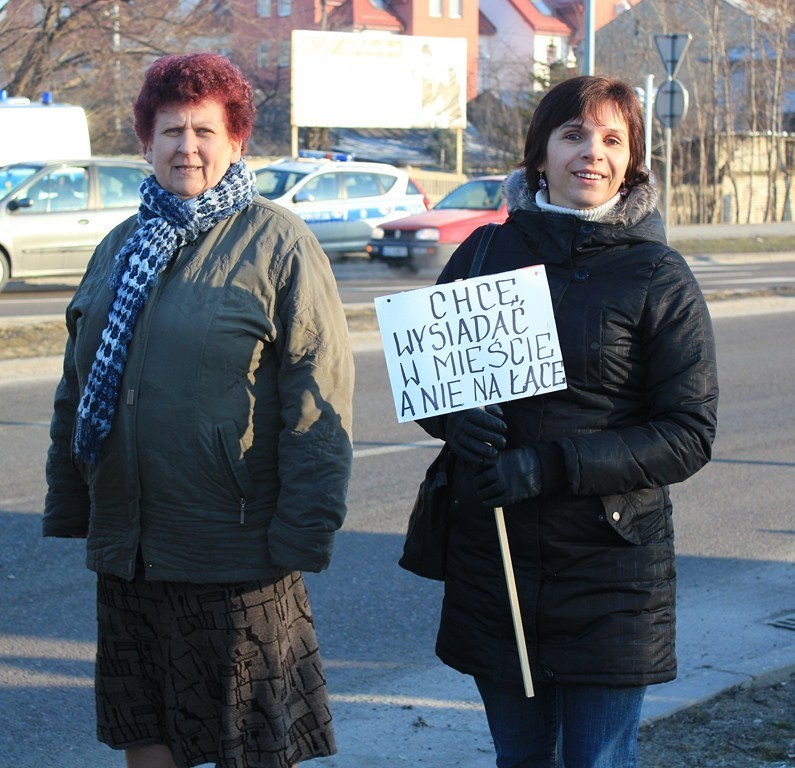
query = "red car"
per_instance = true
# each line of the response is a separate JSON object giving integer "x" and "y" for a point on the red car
{"x": 425, "y": 241}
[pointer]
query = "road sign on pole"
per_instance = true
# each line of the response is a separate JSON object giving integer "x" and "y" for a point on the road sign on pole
{"x": 670, "y": 106}
{"x": 671, "y": 103}
{"x": 672, "y": 48}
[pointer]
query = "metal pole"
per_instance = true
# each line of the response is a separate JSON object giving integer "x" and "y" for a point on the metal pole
{"x": 115, "y": 14}
{"x": 667, "y": 212}
{"x": 649, "y": 112}
{"x": 588, "y": 42}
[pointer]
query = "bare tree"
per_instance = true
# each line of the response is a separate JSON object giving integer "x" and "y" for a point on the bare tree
{"x": 737, "y": 70}
{"x": 777, "y": 19}
{"x": 94, "y": 53}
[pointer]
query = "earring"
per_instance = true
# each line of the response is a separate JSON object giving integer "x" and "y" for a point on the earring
{"x": 624, "y": 190}
{"x": 542, "y": 180}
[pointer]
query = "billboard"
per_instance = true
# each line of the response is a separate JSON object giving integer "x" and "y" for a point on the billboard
{"x": 377, "y": 80}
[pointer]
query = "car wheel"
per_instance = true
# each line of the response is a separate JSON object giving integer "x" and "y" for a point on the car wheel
{"x": 5, "y": 270}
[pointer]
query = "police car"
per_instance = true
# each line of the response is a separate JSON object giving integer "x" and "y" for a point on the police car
{"x": 339, "y": 198}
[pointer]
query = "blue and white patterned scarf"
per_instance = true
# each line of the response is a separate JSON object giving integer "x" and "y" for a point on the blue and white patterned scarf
{"x": 165, "y": 224}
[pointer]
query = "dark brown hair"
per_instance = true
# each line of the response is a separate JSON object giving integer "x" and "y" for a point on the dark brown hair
{"x": 192, "y": 78}
{"x": 579, "y": 97}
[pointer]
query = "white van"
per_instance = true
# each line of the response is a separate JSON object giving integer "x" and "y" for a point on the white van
{"x": 39, "y": 131}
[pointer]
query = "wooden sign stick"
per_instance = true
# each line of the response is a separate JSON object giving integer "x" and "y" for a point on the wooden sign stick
{"x": 513, "y": 597}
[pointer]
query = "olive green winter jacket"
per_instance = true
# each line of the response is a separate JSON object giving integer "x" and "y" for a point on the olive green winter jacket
{"x": 230, "y": 452}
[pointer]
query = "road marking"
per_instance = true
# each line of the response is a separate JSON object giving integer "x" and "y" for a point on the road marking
{"x": 383, "y": 450}
{"x": 748, "y": 280}
{"x": 13, "y": 676}
{"x": 18, "y": 502}
{"x": 406, "y": 701}
{"x": 34, "y": 301}
{"x": 32, "y": 647}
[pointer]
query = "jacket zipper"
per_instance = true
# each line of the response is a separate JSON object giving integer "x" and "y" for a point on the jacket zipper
{"x": 226, "y": 459}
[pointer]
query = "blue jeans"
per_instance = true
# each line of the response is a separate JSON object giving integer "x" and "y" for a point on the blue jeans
{"x": 563, "y": 726}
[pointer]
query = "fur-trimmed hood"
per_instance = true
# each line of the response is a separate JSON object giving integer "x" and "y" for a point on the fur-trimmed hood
{"x": 639, "y": 203}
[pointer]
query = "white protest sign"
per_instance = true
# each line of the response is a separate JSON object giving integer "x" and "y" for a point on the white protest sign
{"x": 469, "y": 343}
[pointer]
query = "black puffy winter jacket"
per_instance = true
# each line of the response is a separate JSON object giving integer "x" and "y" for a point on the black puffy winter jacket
{"x": 594, "y": 559}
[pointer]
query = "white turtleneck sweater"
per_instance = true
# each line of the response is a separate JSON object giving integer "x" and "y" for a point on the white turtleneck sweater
{"x": 587, "y": 214}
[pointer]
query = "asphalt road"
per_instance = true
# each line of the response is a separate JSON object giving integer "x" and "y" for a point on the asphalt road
{"x": 394, "y": 703}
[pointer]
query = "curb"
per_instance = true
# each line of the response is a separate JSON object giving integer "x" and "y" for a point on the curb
{"x": 706, "y": 684}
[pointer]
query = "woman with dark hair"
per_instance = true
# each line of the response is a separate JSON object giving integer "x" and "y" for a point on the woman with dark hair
{"x": 201, "y": 443}
{"x": 582, "y": 473}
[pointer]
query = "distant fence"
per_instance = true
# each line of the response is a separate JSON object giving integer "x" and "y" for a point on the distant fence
{"x": 743, "y": 200}
{"x": 749, "y": 181}
{"x": 436, "y": 184}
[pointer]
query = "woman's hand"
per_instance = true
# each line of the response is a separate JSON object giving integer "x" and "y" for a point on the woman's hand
{"x": 515, "y": 476}
{"x": 476, "y": 435}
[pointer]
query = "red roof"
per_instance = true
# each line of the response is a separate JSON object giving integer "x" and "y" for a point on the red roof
{"x": 573, "y": 10}
{"x": 362, "y": 14}
{"x": 538, "y": 21}
{"x": 485, "y": 27}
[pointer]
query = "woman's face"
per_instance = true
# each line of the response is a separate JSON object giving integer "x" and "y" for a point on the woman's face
{"x": 585, "y": 160}
{"x": 191, "y": 148}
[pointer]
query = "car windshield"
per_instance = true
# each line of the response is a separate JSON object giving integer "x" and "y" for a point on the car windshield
{"x": 273, "y": 183}
{"x": 474, "y": 195}
{"x": 11, "y": 176}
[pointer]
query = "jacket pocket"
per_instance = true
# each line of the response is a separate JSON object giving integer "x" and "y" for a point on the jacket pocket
{"x": 640, "y": 517}
{"x": 593, "y": 343}
{"x": 234, "y": 466}
{"x": 612, "y": 351}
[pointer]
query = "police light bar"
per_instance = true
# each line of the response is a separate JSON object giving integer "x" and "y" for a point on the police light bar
{"x": 319, "y": 154}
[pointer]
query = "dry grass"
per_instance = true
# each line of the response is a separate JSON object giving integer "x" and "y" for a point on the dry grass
{"x": 745, "y": 727}
{"x": 735, "y": 245}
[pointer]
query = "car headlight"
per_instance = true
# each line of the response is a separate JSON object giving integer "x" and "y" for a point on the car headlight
{"x": 377, "y": 234}
{"x": 428, "y": 233}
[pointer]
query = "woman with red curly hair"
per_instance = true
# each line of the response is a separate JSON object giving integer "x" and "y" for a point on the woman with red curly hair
{"x": 207, "y": 385}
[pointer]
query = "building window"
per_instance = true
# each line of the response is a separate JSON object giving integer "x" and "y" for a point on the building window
{"x": 455, "y": 8}
{"x": 264, "y": 55}
{"x": 284, "y": 7}
{"x": 284, "y": 53}
{"x": 264, "y": 8}
{"x": 435, "y": 8}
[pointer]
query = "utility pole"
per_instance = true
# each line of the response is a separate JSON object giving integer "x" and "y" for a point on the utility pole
{"x": 115, "y": 14}
{"x": 588, "y": 41}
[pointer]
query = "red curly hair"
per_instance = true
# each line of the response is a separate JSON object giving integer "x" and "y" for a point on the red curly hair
{"x": 192, "y": 78}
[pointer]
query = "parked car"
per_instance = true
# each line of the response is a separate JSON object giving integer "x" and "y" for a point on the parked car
{"x": 427, "y": 240}
{"x": 341, "y": 200}
{"x": 53, "y": 214}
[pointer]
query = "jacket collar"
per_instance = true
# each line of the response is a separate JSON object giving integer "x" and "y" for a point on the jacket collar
{"x": 639, "y": 203}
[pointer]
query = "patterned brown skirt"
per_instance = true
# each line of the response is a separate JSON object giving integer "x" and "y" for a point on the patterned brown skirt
{"x": 220, "y": 673}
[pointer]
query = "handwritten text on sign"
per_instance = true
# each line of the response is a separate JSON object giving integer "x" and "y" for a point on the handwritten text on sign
{"x": 469, "y": 343}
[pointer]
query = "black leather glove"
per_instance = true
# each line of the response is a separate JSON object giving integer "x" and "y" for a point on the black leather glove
{"x": 477, "y": 434}
{"x": 515, "y": 476}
